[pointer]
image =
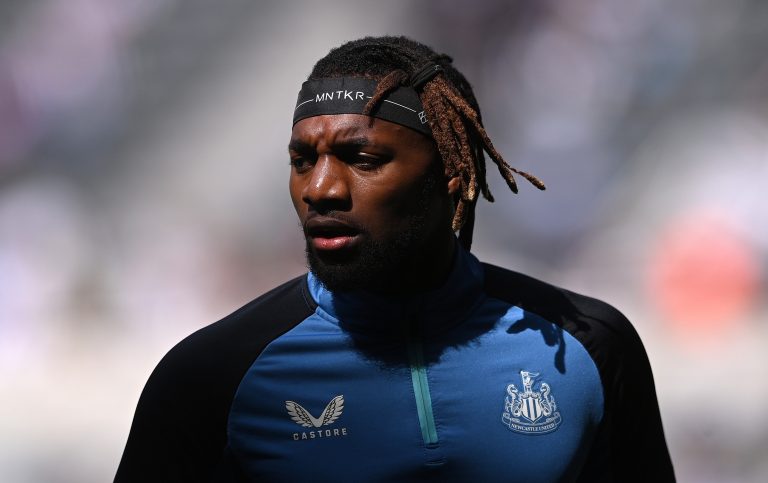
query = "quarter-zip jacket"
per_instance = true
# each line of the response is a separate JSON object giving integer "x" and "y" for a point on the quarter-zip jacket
{"x": 493, "y": 377}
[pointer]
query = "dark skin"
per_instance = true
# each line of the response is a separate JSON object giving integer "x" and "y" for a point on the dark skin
{"x": 357, "y": 180}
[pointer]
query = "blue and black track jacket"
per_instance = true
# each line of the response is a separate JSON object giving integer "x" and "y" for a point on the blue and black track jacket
{"x": 494, "y": 377}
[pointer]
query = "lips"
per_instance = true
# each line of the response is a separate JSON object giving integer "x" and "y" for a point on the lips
{"x": 330, "y": 234}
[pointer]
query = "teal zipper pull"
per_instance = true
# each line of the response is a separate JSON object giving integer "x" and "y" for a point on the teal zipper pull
{"x": 421, "y": 390}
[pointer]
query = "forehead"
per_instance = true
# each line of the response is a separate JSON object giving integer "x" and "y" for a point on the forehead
{"x": 334, "y": 128}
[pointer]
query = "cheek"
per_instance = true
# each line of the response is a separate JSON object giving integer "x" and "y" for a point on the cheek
{"x": 391, "y": 209}
{"x": 294, "y": 190}
{"x": 391, "y": 203}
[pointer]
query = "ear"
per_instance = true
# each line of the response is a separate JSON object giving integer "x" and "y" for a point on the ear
{"x": 454, "y": 185}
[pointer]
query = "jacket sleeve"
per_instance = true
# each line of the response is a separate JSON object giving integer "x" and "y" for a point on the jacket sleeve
{"x": 630, "y": 443}
{"x": 178, "y": 431}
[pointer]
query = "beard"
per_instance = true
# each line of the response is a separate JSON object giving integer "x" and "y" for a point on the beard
{"x": 378, "y": 264}
{"x": 373, "y": 265}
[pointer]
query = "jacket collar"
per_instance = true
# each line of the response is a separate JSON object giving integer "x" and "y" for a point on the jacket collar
{"x": 429, "y": 312}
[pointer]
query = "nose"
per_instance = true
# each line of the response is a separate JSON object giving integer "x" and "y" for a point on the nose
{"x": 327, "y": 187}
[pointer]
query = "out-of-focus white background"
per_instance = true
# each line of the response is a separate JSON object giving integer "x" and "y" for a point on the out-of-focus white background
{"x": 143, "y": 192}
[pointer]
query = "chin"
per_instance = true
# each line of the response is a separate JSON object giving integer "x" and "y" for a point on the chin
{"x": 340, "y": 275}
{"x": 366, "y": 268}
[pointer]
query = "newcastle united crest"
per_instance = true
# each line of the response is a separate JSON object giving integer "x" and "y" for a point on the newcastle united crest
{"x": 530, "y": 411}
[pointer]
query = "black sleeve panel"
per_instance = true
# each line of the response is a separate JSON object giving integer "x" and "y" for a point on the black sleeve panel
{"x": 179, "y": 429}
{"x": 630, "y": 444}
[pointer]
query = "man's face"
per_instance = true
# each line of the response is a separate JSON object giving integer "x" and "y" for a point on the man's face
{"x": 371, "y": 198}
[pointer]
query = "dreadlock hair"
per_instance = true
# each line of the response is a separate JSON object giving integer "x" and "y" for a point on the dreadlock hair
{"x": 449, "y": 104}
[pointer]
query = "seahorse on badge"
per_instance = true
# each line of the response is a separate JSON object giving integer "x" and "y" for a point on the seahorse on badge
{"x": 512, "y": 403}
{"x": 547, "y": 402}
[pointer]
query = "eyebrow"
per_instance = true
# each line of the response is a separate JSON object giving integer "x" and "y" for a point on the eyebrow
{"x": 299, "y": 145}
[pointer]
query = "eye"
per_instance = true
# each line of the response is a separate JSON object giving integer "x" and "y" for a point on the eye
{"x": 365, "y": 161}
{"x": 300, "y": 163}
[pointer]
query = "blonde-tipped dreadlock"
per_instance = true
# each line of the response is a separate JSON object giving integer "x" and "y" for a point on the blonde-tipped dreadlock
{"x": 450, "y": 107}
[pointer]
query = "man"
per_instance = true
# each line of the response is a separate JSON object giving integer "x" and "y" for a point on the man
{"x": 400, "y": 357}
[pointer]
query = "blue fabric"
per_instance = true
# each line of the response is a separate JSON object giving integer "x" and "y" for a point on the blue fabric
{"x": 473, "y": 347}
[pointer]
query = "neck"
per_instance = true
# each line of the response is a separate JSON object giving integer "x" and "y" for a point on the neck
{"x": 426, "y": 270}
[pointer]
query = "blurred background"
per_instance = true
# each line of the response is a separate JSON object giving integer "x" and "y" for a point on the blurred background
{"x": 143, "y": 192}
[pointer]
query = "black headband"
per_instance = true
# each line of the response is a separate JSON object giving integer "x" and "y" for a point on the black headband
{"x": 349, "y": 95}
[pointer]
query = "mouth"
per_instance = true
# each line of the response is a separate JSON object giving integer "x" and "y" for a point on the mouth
{"x": 330, "y": 235}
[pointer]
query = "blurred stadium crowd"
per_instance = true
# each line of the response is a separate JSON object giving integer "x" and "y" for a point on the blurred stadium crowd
{"x": 143, "y": 176}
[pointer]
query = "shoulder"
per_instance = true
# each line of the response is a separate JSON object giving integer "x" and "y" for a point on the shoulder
{"x": 602, "y": 329}
{"x": 610, "y": 339}
{"x": 234, "y": 341}
{"x": 179, "y": 429}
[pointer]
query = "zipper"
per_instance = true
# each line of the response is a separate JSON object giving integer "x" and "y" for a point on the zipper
{"x": 421, "y": 391}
